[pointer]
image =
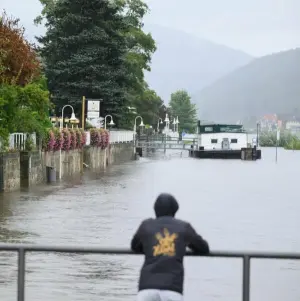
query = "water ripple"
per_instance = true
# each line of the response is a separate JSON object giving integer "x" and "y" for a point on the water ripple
{"x": 235, "y": 205}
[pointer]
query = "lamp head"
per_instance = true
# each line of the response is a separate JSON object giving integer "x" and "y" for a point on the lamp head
{"x": 73, "y": 118}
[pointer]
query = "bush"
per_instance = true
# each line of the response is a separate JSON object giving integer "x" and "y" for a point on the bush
{"x": 59, "y": 139}
{"x": 78, "y": 138}
{"x": 73, "y": 139}
{"x": 104, "y": 138}
{"x": 83, "y": 134}
{"x": 99, "y": 138}
{"x": 269, "y": 139}
{"x": 293, "y": 144}
{"x": 24, "y": 109}
{"x": 95, "y": 137}
{"x": 49, "y": 141}
{"x": 29, "y": 145}
{"x": 66, "y": 140}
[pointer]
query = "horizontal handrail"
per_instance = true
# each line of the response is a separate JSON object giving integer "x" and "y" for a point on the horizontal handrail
{"x": 246, "y": 257}
{"x": 126, "y": 251}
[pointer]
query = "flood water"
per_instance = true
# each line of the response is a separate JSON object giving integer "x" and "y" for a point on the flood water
{"x": 235, "y": 205}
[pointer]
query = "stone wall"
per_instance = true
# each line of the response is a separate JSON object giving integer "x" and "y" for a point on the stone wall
{"x": 71, "y": 162}
{"x": 26, "y": 169}
{"x": 97, "y": 159}
{"x": 31, "y": 168}
{"x": 10, "y": 171}
{"x": 120, "y": 153}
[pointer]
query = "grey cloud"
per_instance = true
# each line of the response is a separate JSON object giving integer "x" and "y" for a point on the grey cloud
{"x": 257, "y": 27}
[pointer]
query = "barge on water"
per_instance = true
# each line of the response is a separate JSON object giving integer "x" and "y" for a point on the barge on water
{"x": 223, "y": 141}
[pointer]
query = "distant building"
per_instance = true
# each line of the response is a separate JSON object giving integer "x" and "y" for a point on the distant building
{"x": 293, "y": 126}
{"x": 280, "y": 124}
{"x": 288, "y": 118}
{"x": 269, "y": 122}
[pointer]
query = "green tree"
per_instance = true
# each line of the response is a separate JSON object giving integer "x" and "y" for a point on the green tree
{"x": 24, "y": 98}
{"x": 140, "y": 45}
{"x": 84, "y": 51}
{"x": 139, "y": 49}
{"x": 148, "y": 105}
{"x": 23, "y": 109}
{"x": 181, "y": 106}
{"x": 18, "y": 60}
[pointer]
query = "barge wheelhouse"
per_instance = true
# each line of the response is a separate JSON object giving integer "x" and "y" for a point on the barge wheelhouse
{"x": 224, "y": 141}
{"x": 222, "y": 137}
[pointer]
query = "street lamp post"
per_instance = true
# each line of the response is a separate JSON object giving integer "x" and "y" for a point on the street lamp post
{"x": 167, "y": 121}
{"x": 134, "y": 130}
{"x": 257, "y": 133}
{"x": 141, "y": 124}
{"x": 174, "y": 125}
{"x": 72, "y": 119}
{"x": 158, "y": 123}
{"x": 111, "y": 123}
{"x": 177, "y": 122}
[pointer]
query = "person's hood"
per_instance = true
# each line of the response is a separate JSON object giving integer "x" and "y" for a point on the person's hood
{"x": 165, "y": 205}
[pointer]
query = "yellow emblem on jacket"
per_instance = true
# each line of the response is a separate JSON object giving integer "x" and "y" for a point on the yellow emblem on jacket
{"x": 166, "y": 244}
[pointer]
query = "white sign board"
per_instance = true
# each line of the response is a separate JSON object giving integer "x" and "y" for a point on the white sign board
{"x": 93, "y": 106}
{"x": 92, "y": 114}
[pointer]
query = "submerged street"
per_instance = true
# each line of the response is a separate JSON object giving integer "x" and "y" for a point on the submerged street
{"x": 236, "y": 205}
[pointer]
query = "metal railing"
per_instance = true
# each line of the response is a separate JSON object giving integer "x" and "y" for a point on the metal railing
{"x": 17, "y": 140}
{"x": 245, "y": 256}
{"x": 121, "y": 136}
{"x": 163, "y": 145}
{"x": 116, "y": 136}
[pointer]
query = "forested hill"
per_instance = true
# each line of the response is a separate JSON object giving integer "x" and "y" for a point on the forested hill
{"x": 269, "y": 84}
{"x": 183, "y": 61}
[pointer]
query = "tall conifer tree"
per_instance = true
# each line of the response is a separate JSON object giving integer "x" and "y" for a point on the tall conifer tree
{"x": 84, "y": 51}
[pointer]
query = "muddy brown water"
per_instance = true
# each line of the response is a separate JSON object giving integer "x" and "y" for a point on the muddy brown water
{"x": 235, "y": 205}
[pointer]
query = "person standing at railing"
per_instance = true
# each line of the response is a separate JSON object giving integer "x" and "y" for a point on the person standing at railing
{"x": 163, "y": 241}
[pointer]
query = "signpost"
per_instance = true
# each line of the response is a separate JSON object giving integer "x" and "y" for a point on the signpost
{"x": 277, "y": 141}
{"x": 93, "y": 112}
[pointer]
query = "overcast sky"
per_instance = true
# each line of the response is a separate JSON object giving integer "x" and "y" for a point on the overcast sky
{"x": 257, "y": 27}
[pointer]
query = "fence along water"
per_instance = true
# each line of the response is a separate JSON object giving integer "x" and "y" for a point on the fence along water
{"x": 17, "y": 140}
{"x": 246, "y": 258}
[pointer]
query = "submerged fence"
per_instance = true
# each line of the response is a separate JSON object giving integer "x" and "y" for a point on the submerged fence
{"x": 246, "y": 257}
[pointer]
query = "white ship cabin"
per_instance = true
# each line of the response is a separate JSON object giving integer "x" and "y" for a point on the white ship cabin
{"x": 222, "y": 137}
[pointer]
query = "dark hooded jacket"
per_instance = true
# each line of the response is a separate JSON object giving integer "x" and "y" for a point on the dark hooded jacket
{"x": 163, "y": 240}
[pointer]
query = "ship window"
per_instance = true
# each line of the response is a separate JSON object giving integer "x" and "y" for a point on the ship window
{"x": 234, "y": 140}
{"x": 214, "y": 140}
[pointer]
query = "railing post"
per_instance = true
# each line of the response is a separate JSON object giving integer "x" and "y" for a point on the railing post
{"x": 246, "y": 278}
{"x": 21, "y": 274}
